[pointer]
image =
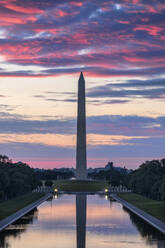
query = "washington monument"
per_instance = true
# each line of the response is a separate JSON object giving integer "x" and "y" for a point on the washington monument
{"x": 81, "y": 163}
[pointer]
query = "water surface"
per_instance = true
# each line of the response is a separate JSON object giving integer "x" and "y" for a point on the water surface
{"x": 80, "y": 221}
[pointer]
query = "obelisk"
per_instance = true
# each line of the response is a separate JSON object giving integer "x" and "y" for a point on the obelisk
{"x": 81, "y": 163}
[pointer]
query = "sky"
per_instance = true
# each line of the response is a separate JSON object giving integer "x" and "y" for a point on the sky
{"x": 119, "y": 46}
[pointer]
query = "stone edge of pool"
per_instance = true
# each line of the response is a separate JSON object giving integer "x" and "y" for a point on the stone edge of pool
{"x": 12, "y": 218}
{"x": 159, "y": 225}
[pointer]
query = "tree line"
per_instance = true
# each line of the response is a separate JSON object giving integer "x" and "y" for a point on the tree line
{"x": 149, "y": 179}
{"x": 19, "y": 178}
{"x": 54, "y": 174}
{"x": 15, "y": 178}
{"x": 114, "y": 175}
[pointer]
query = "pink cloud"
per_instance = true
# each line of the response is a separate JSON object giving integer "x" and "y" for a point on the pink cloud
{"x": 78, "y": 4}
{"x": 152, "y": 30}
{"x": 22, "y": 9}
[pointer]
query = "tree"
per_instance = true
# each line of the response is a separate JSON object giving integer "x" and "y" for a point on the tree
{"x": 39, "y": 183}
{"x": 149, "y": 179}
{"x": 162, "y": 189}
{"x": 15, "y": 178}
{"x": 48, "y": 183}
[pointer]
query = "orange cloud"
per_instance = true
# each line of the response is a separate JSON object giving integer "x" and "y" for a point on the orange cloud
{"x": 66, "y": 140}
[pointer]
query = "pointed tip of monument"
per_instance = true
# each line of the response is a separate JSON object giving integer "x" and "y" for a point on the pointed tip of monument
{"x": 81, "y": 76}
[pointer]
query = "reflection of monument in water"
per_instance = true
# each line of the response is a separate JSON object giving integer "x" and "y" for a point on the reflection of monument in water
{"x": 81, "y": 132}
{"x": 81, "y": 201}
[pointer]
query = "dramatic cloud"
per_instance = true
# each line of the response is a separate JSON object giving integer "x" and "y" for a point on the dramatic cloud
{"x": 128, "y": 126}
{"x": 151, "y": 89}
{"x": 104, "y": 38}
{"x": 122, "y": 92}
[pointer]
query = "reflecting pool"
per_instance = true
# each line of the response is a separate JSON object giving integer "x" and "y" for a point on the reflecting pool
{"x": 81, "y": 221}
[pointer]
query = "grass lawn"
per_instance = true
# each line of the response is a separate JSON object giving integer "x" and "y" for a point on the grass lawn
{"x": 11, "y": 206}
{"x": 154, "y": 208}
{"x": 80, "y": 186}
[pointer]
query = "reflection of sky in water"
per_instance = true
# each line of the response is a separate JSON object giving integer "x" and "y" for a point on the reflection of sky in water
{"x": 54, "y": 225}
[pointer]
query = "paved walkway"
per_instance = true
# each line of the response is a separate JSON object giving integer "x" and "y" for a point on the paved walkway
{"x": 12, "y": 218}
{"x": 147, "y": 217}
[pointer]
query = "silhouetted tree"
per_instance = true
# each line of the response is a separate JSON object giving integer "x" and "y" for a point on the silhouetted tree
{"x": 149, "y": 179}
{"x": 15, "y": 178}
{"x": 48, "y": 183}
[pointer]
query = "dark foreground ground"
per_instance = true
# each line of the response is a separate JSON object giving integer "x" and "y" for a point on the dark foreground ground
{"x": 11, "y": 206}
